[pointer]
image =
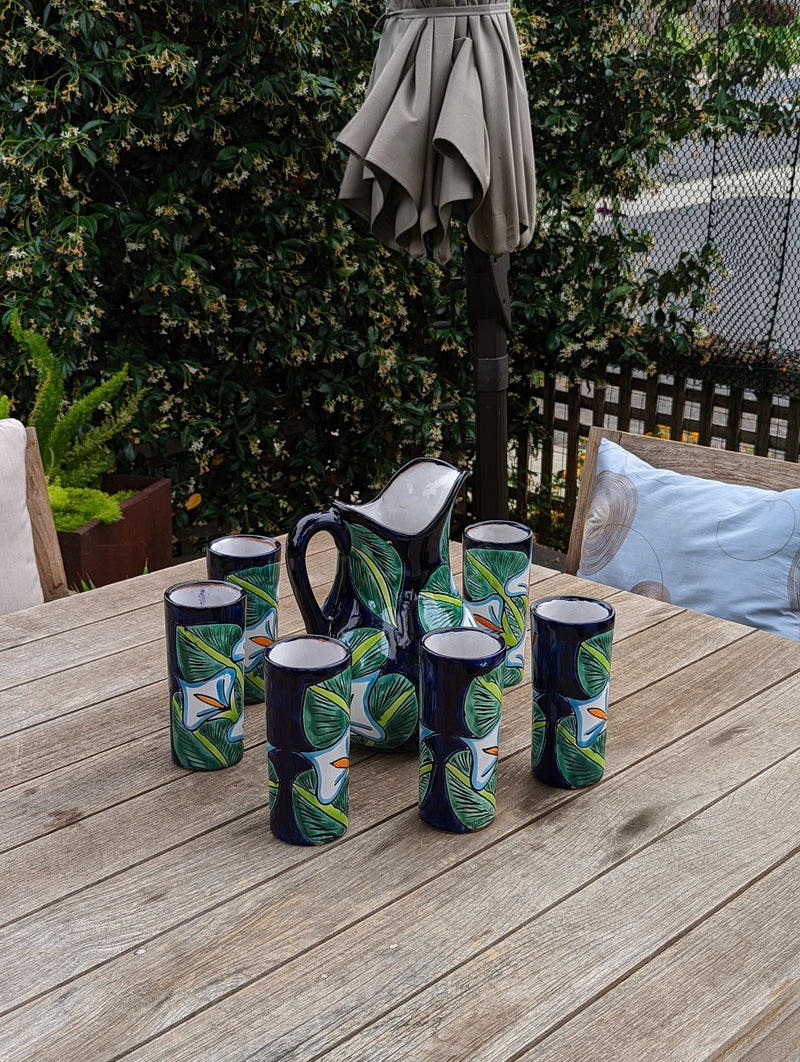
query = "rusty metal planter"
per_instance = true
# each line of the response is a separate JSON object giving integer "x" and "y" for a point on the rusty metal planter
{"x": 98, "y": 554}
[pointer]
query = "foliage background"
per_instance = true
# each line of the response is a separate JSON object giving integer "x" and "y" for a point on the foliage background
{"x": 168, "y": 182}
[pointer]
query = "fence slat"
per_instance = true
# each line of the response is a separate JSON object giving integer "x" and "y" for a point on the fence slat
{"x": 629, "y": 399}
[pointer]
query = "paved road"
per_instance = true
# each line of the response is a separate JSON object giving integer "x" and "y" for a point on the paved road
{"x": 744, "y": 196}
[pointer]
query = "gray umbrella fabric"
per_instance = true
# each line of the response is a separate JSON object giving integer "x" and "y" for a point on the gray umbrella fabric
{"x": 444, "y": 131}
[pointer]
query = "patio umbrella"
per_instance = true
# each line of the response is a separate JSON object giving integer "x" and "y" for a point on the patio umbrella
{"x": 443, "y": 134}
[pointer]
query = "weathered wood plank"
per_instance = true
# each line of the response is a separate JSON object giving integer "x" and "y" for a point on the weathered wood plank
{"x": 106, "y": 602}
{"x": 541, "y": 931}
{"x": 382, "y": 787}
{"x": 757, "y": 932}
{"x": 561, "y": 959}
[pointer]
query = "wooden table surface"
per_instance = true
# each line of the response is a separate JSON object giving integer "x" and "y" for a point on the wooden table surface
{"x": 148, "y": 912}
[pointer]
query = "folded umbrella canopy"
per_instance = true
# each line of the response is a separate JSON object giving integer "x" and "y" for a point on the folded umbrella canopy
{"x": 443, "y": 134}
{"x": 444, "y": 131}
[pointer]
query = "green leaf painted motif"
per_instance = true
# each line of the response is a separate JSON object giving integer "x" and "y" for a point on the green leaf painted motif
{"x": 440, "y": 604}
{"x": 425, "y": 770}
{"x": 272, "y": 783}
{"x": 376, "y": 569}
{"x": 512, "y": 676}
{"x": 392, "y": 703}
{"x": 254, "y": 686}
{"x": 369, "y": 649}
{"x": 326, "y": 710}
{"x": 318, "y": 822}
{"x": 205, "y": 650}
{"x": 207, "y": 748}
{"x": 261, "y": 585}
{"x": 488, "y": 573}
{"x": 593, "y": 663}
{"x": 483, "y": 702}
{"x": 579, "y": 766}
{"x": 538, "y": 727}
{"x": 473, "y": 809}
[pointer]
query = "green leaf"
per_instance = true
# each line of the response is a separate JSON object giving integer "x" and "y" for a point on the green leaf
{"x": 204, "y": 650}
{"x": 425, "y": 770}
{"x": 579, "y": 766}
{"x": 593, "y": 663}
{"x": 473, "y": 809}
{"x": 439, "y": 603}
{"x": 376, "y": 569}
{"x": 369, "y": 648}
{"x": 393, "y": 705}
{"x": 483, "y": 703}
{"x": 538, "y": 731}
{"x": 207, "y": 748}
{"x": 326, "y": 710}
{"x": 489, "y": 571}
{"x": 318, "y": 822}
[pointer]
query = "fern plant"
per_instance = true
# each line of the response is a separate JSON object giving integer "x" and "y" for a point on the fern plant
{"x": 75, "y": 452}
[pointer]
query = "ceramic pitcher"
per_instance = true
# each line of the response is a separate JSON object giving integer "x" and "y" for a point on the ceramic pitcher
{"x": 392, "y": 584}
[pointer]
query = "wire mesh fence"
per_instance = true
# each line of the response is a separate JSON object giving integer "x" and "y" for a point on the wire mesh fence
{"x": 738, "y": 192}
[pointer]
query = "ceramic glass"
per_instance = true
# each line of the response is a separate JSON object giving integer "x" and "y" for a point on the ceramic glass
{"x": 571, "y": 663}
{"x": 307, "y": 691}
{"x": 205, "y": 648}
{"x": 253, "y": 563}
{"x": 496, "y": 566}
{"x": 461, "y": 692}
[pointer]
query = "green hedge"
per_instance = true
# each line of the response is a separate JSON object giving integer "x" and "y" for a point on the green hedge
{"x": 168, "y": 182}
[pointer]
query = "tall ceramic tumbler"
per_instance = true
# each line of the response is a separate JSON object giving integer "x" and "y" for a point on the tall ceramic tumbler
{"x": 461, "y": 692}
{"x": 307, "y": 681}
{"x": 254, "y": 563}
{"x": 205, "y": 647}
{"x": 571, "y": 662}
{"x": 496, "y": 557}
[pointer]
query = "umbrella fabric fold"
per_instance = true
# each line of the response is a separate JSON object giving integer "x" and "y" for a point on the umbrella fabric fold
{"x": 444, "y": 132}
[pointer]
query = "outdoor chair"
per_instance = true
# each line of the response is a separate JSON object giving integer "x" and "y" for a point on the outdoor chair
{"x": 31, "y": 568}
{"x": 708, "y": 529}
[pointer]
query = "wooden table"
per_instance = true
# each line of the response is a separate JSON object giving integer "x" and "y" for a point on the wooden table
{"x": 148, "y": 913}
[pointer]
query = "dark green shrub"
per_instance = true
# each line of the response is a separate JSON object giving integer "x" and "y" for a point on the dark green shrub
{"x": 168, "y": 182}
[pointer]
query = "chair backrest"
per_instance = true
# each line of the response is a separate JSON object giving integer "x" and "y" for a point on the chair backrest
{"x": 45, "y": 537}
{"x": 707, "y": 462}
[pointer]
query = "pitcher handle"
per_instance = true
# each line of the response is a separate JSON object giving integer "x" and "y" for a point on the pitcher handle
{"x": 316, "y": 620}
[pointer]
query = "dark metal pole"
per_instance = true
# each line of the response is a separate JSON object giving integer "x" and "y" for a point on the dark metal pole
{"x": 489, "y": 316}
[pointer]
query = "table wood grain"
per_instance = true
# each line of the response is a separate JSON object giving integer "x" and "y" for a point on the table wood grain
{"x": 149, "y": 914}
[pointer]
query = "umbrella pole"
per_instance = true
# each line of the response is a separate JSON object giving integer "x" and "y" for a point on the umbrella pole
{"x": 489, "y": 316}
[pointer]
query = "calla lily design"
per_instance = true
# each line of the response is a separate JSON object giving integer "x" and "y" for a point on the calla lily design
{"x": 361, "y": 722}
{"x": 484, "y": 752}
{"x": 213, "y": 698}
{"x": 591, "y": 717}
{"x": 331, "y": 766}
{"x": 258, "y": 637}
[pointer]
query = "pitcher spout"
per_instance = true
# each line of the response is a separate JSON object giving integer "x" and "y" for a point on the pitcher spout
{"x": 415, "y": 499}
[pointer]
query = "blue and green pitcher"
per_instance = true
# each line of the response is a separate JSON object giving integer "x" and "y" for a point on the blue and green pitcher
{"x": 392, "y": 584}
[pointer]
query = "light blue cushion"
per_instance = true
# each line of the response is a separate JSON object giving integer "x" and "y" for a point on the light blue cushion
{"x": 726, "y": 550}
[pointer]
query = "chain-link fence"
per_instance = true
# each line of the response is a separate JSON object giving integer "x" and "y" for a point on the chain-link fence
{"x": 738, "y": 192}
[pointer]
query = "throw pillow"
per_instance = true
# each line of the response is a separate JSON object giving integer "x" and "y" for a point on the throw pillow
{"x": 727, "y": 550}
{"x": 19, "y": 577}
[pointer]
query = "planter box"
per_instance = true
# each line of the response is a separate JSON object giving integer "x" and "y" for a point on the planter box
{"x": 98, "y": 554}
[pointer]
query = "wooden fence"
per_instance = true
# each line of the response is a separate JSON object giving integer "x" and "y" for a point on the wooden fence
{"x": 734, "y": 416}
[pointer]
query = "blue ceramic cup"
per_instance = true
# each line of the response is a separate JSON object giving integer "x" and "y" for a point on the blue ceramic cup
{"x": 461, "y": 692}
{"x": 205, "y": 647}
{"x": 307, "y": 680}
{"x": 252, "y": 562}
{"x": 571, "y": 663}
{"x": 496, "y": 558}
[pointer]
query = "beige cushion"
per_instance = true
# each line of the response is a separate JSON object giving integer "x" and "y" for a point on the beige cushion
{"x": 19, "y": 577}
